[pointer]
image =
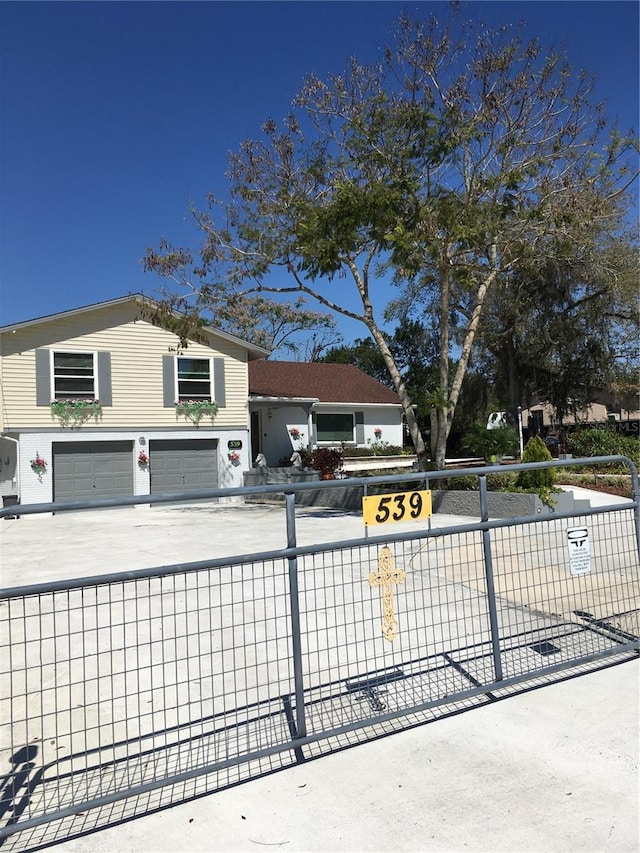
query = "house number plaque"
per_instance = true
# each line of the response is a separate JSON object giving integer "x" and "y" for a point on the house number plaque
{"x": 402, "y": 506}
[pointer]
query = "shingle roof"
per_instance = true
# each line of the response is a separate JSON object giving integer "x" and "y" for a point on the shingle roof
{"x": 329, "y": 383}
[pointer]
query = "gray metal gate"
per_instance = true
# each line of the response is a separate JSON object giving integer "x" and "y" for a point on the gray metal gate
{"x": 115, "y": 687}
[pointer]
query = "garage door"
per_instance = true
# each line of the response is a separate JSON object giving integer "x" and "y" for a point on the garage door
{"x": 180, "y": 465}
{"x": 92, "y": 469}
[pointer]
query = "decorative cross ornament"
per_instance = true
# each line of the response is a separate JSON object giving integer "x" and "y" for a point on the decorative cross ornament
{"x": 387, "y": 576}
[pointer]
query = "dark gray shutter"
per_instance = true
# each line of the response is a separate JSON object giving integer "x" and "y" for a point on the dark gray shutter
{"x": 43, "y": 377}
{"x": 219, "y": 393}
{"x": 104, "y": 378}
{"x": 313, "y": 438}
{"x": 359, "y": 427}
{"x": 168, "y": 381}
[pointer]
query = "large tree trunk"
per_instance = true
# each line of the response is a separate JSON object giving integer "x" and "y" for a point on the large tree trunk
{"x": 439, "y": 436}
{"x": 445, "y": 407}
{"x": 440, "y": 421}
{"x": 403, "y": 394}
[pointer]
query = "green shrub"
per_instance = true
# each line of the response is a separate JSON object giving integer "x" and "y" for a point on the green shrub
{"x": 490, "y": 443}
{"x": 375, "y": 448}
{"x": 503, "y": 482}
{"x": 603, "y": 442}
{"x": 383, "y": 472}
{"x": 305, "y": 455}
{"x": 461, "y": 484}
{"x": 541, "y": 481}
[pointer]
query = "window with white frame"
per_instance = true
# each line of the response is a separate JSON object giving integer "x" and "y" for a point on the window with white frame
{"x": 74, "y": 376}
{"x": 336, "y": 426}
{"x": 193, "y": 379}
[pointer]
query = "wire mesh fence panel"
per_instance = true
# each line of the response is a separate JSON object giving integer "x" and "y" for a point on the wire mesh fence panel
{"x": 549, "y": 613}
{"x": 375, "y": 647}
{"x": 379, "y": 626}
{"x": 110, "y": 687}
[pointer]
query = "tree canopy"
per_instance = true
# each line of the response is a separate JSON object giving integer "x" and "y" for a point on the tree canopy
{"x": 564, "y": 331}
{"x": 466, "y": 155}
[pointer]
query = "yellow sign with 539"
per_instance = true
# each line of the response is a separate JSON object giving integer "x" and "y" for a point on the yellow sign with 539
{"x": 403, "y": 506}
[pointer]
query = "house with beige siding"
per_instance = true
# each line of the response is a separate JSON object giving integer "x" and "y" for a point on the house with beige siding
{"x": 112, "y": 405}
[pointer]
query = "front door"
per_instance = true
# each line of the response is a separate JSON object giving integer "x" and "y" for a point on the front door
{"x": 256, "y": 434}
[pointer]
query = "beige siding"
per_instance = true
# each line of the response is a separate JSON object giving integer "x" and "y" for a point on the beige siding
{"x": 136, "y": 349}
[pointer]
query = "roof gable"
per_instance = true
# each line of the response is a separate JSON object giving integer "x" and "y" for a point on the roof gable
{"x": 136, "y": 300}
{"x": 328, "y": 383}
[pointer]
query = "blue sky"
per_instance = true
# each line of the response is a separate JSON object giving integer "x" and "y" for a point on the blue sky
{"x": 114, "y": 116}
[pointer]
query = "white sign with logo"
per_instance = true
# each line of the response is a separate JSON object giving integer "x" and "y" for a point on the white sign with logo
{"x": 579, "y": 550}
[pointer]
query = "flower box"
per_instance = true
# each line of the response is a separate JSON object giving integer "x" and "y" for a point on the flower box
{"x": 75, "y": 412}
{"x": 195, "y": 410}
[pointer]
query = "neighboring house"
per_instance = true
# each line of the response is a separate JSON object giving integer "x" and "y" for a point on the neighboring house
{"x": 299, "y": 404}
{"x": 541, "y": 418}
{"x": 93, "y": 392}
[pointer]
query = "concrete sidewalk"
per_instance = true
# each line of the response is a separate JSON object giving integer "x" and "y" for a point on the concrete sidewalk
{"x": 551, "y": 769}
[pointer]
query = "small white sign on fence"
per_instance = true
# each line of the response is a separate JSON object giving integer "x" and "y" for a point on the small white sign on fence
{"x": 579, "y": 550}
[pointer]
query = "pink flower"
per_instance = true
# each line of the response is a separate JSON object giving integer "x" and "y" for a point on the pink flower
{"x": 38, "y": 465}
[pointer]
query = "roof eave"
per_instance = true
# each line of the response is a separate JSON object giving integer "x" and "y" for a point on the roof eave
{"x": 316, "y": 401}
{"x": 266, "y": 398}
{"x": 359, "y": 403}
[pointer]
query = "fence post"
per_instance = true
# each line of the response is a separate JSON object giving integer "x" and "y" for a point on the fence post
{"x": 365, "y": 493}
{"x": 635, "y": 496}
{"x": 301, "y": 725}
{"x": 488, "y": 569}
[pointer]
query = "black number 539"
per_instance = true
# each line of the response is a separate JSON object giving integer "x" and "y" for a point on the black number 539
{"x": 403, "y": 506}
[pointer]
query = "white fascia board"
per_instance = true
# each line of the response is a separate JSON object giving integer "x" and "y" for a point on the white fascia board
{"x": 360, "y": 405}
{"x": 259, "y": 399}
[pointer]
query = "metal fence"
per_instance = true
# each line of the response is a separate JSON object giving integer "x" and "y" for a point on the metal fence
{"x": 114, "y": 687}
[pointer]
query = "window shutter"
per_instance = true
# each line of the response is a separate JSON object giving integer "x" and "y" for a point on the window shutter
{"x": 168, "y": 381}
{"x": 43, "y": 377}
{"x": 104, "y": 378}
{"x": 219, "y": 393}
{"x": 359, "y": 427}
